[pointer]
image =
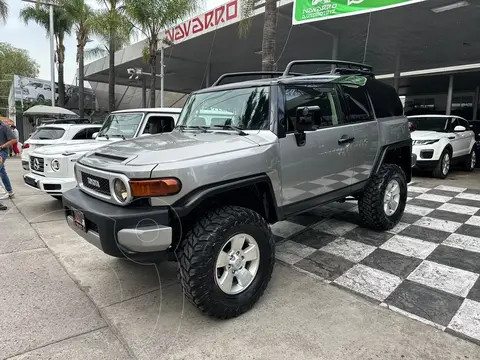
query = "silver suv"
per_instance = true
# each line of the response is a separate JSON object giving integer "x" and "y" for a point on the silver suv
{"x": 245, "y": 155}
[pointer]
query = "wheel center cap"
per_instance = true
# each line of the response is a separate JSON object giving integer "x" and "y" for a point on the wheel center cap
{"x": 236, "y": 262}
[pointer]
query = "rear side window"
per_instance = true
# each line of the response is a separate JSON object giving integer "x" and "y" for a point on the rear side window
{"x": 358, "y": 105}
{"x": 48, "y": 134}
{"x": 385, "y": 100}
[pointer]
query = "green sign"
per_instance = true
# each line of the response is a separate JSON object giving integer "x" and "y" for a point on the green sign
{"x": 315, "y": 10}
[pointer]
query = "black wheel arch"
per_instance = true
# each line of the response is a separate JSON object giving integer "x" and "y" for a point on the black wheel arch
{"x": 399, "y": 153}
{"x": 254, "y": 192}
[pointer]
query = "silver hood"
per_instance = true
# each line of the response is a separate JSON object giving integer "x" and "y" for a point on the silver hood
{"x": 168, "y": 147}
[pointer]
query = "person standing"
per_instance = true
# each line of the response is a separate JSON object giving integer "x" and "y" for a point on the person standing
{"x": 15, "y": 146}
{"x": 7, "y": 139}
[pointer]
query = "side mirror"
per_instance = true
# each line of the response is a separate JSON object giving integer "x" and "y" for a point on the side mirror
{"x": 94, "y": 135}
{"x": 146, "y": 134}
{"x": 304, "y": 122}
{"x": 459, "y": 128}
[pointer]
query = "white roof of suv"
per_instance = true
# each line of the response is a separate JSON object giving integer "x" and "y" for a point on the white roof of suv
{"x": 164, "y": 110}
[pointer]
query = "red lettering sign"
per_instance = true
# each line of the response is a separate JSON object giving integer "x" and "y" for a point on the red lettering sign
{"x": 213, "y": 18}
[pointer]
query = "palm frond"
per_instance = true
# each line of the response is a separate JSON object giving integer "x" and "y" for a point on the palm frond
{"x": 3, "y": 11}
{"x": 96, "y": 52}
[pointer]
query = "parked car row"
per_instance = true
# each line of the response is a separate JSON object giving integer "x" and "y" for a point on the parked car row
{"x": 50, "y": 154}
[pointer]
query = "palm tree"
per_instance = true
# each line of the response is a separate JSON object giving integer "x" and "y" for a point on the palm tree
{"x": 82, "y": 16}
{"x": 111, "y": 24}
{"x": 3, "y": 11}
{"x": 62, "y": 24}
{"x": 151, "y": 17}
{"x": 269, "y": 30}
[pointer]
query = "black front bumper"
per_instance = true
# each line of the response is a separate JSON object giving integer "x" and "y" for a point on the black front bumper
{"x": 107, "y": 219}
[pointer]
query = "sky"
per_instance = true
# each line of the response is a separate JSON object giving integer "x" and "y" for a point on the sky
{"x": 33, "y": 38}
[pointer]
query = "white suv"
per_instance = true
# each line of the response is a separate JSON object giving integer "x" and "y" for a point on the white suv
{"x": 440, "y": 141}
{"x": 56, "y": 134}
{"x": 52, "y": 167}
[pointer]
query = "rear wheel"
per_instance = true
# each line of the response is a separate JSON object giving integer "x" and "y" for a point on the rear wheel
{"x": 383, "y": 200}
{"x": 443, "y": 165}
{"x": 471, "y": 161}
{"x": 226, "y": 261}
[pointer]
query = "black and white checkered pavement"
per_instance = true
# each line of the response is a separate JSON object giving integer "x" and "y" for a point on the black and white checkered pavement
{"x": 427, "y": 267}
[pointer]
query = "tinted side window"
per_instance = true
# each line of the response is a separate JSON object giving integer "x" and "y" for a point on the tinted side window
{"x": 385, "y": 100}
{"x": 325, "y": 98}
{"x": 465, "y": 124}
{"x": 81, "y": 135}
{"x": 358, "y": 105}
{"x": 91, "y": 131}
{"x": 159, "y": 124}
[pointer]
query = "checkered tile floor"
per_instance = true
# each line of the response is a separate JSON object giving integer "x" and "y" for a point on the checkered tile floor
{"x": 427, "y": 267}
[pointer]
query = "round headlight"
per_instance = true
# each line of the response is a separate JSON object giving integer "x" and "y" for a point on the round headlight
{"x": 55, "y": 165}
{"x": 120, "y": 190}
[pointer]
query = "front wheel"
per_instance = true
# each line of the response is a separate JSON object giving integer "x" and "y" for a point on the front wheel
{"x": 383, "y": 200}
{"x": 471, "y": 161}
{"x": 226, "y": 261}
{"x": 443, "y": 165}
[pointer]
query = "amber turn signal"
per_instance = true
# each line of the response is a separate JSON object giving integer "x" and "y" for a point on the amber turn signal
{"x": 156, "y": 187}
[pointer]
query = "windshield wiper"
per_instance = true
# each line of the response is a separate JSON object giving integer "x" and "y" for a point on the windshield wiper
{"x": 118, "y": 135}
{"x": 231, "y": 127}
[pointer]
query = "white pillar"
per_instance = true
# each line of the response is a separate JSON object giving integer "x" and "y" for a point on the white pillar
{"x": 162, "y": 75}
{"x": 475, "y": 103}
{"x": 335, "y": 50}
{"x": 52, "y": 55}
{"x": 449, "y": 95}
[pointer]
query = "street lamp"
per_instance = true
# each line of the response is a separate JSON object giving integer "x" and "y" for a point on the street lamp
{"x": 52, "y": 44}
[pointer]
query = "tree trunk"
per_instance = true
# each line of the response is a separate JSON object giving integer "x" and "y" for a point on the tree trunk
{"x": 153, "y": 70}
{"x": 111, "y": 75}
{"x": 61, "y": 60}
{"x": 81, "y": 89}
{"x": 269, "y": 35}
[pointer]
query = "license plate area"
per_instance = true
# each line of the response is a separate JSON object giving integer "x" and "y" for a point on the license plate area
{"x": 79, "y": 220}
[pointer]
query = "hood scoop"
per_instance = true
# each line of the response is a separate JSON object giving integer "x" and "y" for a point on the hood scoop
{"x": 111, "y": 157}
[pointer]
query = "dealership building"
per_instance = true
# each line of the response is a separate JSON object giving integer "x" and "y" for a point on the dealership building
{"x": 428, "y": 49}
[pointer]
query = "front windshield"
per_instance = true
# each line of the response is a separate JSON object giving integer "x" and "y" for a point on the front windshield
{"x": 246, "y": 109}
{"x": 429, "y": 123}
{"x": 121, "y": 125}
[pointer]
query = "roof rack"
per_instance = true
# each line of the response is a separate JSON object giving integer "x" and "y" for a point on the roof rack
{"x": 247, "y": 73}
{"x": 346, "y": 67}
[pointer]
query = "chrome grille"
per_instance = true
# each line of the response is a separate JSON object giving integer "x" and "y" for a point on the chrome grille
{"x": 96, "y": 183}
{"x": 37, "y": 164}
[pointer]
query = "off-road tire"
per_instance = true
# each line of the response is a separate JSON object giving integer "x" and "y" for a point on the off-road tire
{"x": 438, "y": 171}
{"x": 370, "y": 203}
{"x": 57, "y": 197}
{"x": 198, "y": 251}
{"x": 467, "y": 166}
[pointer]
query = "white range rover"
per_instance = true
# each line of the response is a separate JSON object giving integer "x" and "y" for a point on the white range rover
{"x": 52, "y": 167}
{"x": 440, "y": 141}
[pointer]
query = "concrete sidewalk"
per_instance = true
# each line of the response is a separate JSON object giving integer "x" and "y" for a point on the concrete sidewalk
{"x": 61, "y": 298}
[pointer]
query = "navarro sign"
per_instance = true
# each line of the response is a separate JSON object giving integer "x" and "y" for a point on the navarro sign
{"x": 221, "y": 16}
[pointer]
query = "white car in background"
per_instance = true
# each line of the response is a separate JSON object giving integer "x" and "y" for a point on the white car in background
{"x": 52, "y": 167}
{"x": 56, "y": 134}
{"x": 440, "y": 141}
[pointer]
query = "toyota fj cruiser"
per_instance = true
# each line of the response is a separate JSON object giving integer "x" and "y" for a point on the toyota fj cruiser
{"x": 207, "y": 191}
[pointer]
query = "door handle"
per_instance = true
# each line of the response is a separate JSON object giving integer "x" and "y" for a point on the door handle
{"x": 345, "y": 139}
